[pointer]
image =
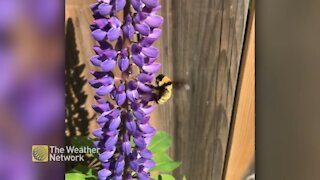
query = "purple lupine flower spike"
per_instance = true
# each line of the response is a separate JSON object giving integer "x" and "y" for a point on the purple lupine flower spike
{"x": 124, "y": 95}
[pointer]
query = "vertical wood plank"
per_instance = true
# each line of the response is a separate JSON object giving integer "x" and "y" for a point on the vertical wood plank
{"x": 242, "y": 149}
{"x": 79, "y": 12}
{"x": 201, "y": 47}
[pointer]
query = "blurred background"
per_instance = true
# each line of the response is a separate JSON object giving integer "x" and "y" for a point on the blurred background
{"x": 31, "y": 86}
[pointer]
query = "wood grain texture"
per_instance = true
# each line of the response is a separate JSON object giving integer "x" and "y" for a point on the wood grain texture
{"x": 242, "y": 146}
{"x": 201, "y": 46}
{"x": 79, "y": 12}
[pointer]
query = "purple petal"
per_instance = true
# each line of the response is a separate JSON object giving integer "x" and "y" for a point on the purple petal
{"x": 114, "y": 22}
{"x": 146, "y": 128}
{"x": 154, "y": 21}
{"x": 104, "y": 173}
{"x": 96, "y": 144}
{"x": 100, "y": 108}
{"x": 138, "y": 60}
{"x": 156, "y": 33}
{"x": 114, "y": 114}
{"x": 149, "y": 163}
{"x": 136, "y": 49}
{"x": 143, "y": 29}
{"x": 136, "y": 4}
{"x": 149, "y": 40}
{"x": 132, "y": 95}
{"x": 98, "y": 133}
{"x": 131, "y": 126}
{"x": 119, "y": 44}
{"x": 106, "y": 81}
{"x": 139, "y": 141}
{"x": 143, "y": 87}
{"x": 120, "y": 4}
{"x": 101, "y": 23}
{"x": 94, "y": 6}
{"x": 143, "y": 77}
{"x": 119, "y": 177}
{"x": 144, "y": 120}
{"x": 98, "y": 74}
{"x": 139, "y": 114}
{"x": 150, "y": 3}
{"x": 150, "y": 60}
{"x": 135, "y": 106}
{"x": 124, "y": 64}
{"x": 148, "y": 109}
{"x": 128, "y": 19}
{"x": 104, "y": 9}
{"x": 102, "y": 119}
{"x": 108, "y": 65}
{"x": 98, "y": 50}
{"x": 132, "y": 85}
{"x": 112, "y": 133}
{"x": 147, "y": 97}
{"x": 121, "y": 88}
{"x": 99, "y": 34}
{"x": 106, "y": 165}
{"x": 150, "y": 52}
{"x": 148, "y": 139}
{"x": 126, "y": 147}
{"x": 128, "y": 30}
{"x": 110, "y": 53}
{"x": 95, "y": 60}
{"x": 113, "y": 34}
{"x": 153, "y": 68}
{"x": 119, "y": 165}
{"x": 146, "y": 163}
{"x": 104, "y": 90}
{"x": 146, "y": 154}
{"x": 128, "y": 176}
{"x": 124, "y": 52}
{"x": 95, "y": 83}
{"x": 134, "y": 165}
{"x": 105, "y": 156}
{"x": 115, "y": 123}
{"x": 121, "y": 98}
{"x": 111, "y": 142}
{"x": 140, "y": 16}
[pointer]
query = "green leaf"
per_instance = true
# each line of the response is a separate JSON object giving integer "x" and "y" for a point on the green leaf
{"x": 160, "y": 142}
{"x": 166, "y": 177}
{"x": 184, "y": 178}
{"x": 83, "y": 141}
{"x": 166, "y": 166}
{"x": 81, "y": 169}
{"x": 161, "y": 157}
{"x": 75, "y": 176}
{"x": 89, "y": 174}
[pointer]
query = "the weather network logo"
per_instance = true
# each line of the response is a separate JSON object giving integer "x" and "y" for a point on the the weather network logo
{"x": 40, "y": 153}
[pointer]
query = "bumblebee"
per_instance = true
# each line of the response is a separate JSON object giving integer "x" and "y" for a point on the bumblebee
{"x": 163, "y": 89}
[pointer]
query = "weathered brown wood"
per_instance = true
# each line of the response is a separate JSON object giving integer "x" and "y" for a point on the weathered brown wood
{"x": 201, "y": 46}
{"x": 240, "y": 161}
{"x": 79, "y": 12}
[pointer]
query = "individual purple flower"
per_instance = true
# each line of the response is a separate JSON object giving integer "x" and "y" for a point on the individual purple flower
{"x": 125, "y": 98}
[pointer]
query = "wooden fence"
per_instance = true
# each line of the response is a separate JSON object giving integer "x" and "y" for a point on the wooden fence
{"x": 201, "y": 49}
